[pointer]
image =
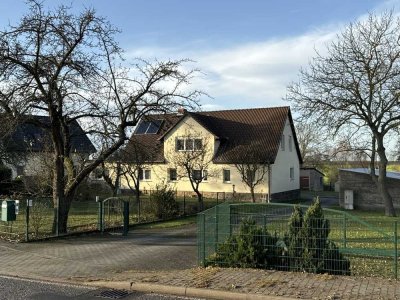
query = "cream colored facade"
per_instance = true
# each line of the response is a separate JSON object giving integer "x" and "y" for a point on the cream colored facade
{"x": 279, "y": 180}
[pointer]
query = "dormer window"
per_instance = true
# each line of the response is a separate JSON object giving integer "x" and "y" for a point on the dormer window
{"x": 188, "y": 144}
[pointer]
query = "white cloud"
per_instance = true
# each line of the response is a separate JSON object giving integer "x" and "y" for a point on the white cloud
{"x": 254, "y": 74}
{"x": 250, "y": 75}
{"x": 257, "y": 74}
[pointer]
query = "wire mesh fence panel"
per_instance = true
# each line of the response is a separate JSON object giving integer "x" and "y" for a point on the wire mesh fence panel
{"x": 12, "y": 230}
{"x": 83, "y": 216}
{"x": 297, "y": 238}
{"x": 41, "y": 217}
{"x": 113, "y": 209}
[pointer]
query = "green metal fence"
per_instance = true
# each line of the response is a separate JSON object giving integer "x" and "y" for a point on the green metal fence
{"x": 36, "y": 222}
{"x": 370, "y": 245}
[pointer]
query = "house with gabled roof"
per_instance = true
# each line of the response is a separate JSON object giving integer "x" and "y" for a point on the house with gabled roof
{"x": 30, "y": 144}
{"x": 225, "y": 134}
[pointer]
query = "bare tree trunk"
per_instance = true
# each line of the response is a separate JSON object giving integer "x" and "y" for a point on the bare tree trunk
{"x": 137, "y": 192}
{"x": 200, "y": 199}
{"x": 62, "y": 217}
{"x": 58, "y": 188}
{"x": 382, "y": 180}
{"x": 383, "y": 189}
{"x": 253, "y": 196}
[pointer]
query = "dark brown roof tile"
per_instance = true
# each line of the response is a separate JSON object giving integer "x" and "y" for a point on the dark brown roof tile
{"x": 236, "y": 129}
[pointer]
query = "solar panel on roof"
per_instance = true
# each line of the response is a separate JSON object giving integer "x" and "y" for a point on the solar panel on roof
{"x": 154, "y": 126}
{"x": 148, "y": 127}
{"x": 142, "y": 127}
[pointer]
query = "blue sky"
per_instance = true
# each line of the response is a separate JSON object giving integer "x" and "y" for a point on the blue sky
{"x": 248, "y": 51}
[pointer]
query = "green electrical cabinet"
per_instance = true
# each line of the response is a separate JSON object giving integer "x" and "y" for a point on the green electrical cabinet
{"x": 8, "y": 211}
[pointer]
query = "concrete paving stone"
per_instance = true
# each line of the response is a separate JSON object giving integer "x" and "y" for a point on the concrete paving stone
{"x": 168, "y": 257}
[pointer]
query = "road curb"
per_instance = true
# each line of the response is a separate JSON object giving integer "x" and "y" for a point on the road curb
{"x": 183, "y": 291}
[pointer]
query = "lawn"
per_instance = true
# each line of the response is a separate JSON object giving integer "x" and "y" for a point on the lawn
{"x": 168, "y": 224}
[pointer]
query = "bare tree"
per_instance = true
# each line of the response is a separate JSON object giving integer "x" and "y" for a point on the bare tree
{"x": 192, "y": 160}
{"x": 111, "y": 173}
{"x": 252, "y": 166}
{"x": 136, "y": 157}
{"x": 313, "y": 145}
{"x": 127, "y": 164}
{"x": 355, "y": 86}
{"x": 68, "y": 67}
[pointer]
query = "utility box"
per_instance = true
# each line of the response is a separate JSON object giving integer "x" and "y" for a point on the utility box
{"x": 8, "y": 211}
{"x": 348, "y": 199}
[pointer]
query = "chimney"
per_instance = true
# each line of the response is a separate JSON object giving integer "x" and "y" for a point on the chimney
{"x": 181, "y": 111}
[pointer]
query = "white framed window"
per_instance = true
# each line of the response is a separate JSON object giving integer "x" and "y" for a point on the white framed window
{"x": 196, "y": 174}
{"x": 199, "y": 175}
{"x": 290, "y": 143}
{"x": 172, "y": 174}
{"x": 283, "y": 142}
{"x": 205, "y": 175}
{"x": 291, "y": 173}
{"x": 188, "y": 144}
{"x": 180, "y": 144}
{"x": 227, "y": 175}
{"x": 144, "y": 174}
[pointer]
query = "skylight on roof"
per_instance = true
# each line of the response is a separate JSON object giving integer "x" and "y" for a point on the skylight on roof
{"x": 148, "y": 127}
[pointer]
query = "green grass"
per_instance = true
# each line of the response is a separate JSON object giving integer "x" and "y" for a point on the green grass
{"x": 168, "y": 224}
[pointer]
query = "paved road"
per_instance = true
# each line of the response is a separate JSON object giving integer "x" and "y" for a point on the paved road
{"x": 21, "y": 289}
{"x": 326, "y": 201}
{"x": 97, "y": 256}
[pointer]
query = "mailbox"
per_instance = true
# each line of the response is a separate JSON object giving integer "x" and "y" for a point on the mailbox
{"x": 8, "y": 210}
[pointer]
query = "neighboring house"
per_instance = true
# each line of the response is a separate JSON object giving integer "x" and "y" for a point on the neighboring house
{"x": 311, "y": 179}
{"x": 30, "y": 147}
{"x": 222, "y": 133}
{"x": 357, "y": 187}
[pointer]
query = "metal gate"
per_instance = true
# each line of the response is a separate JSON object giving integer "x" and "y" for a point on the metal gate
{"x": 114, "y": 215}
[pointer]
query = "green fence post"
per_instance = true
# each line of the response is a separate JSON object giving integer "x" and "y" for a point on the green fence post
{"x": 58, "y": 217}
{"x": 184, "y": 203}
{"x": 27, "y": 221}
{"x": 139, "y": 208}
{"x": 216, "y": 228}
{"x": 395, "y": 251}
{"x": 202, "y": 248}
{"x": 345, "y": 232}
{"x": 264, "y": 229}
{"x": 100, "y": 214}
{"x": 126, "y": 219}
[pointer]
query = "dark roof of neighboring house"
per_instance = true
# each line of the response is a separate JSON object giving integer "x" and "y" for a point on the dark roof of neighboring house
{"x": 29, "y": 136}
{"x": 235, "y": 129}
{"x": 389, "y": 174}
{"x": 312, "y": 169}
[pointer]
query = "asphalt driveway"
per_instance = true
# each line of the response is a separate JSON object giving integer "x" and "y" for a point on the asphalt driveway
{"x": 98, "y": 255}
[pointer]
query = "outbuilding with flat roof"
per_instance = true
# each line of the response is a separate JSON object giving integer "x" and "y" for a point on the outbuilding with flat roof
{"x": 357, "y": 184}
